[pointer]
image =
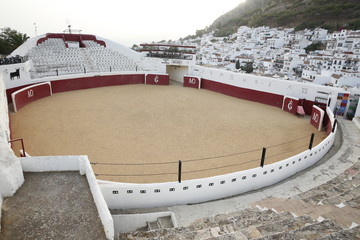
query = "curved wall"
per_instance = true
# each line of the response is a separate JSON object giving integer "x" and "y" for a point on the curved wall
{"x": 23, "y": 95}
{"x": 122, "y": 195}
{"x": 125, "y": 196}
{"x": 30, "y": 94}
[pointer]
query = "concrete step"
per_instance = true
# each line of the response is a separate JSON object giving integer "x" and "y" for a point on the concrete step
{"x": 354, "y": 202}
{"x": 161, "y": 227}
{"x": 238, "y": 220}
{"x": 165, "y": 222}
{"x": 345, "y": 196}
{"x": 239, "y": 227}
{"x": 153, "y": 225}
{"x": 343, "y": 215}
{"x": 266, "y": 217}
{"x": 348, "y": 234}
{"x": 313, "y": 231}
{"x": 284, "y": 225}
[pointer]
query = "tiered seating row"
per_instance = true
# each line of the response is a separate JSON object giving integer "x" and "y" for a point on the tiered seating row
{"x": 52, "y": 57}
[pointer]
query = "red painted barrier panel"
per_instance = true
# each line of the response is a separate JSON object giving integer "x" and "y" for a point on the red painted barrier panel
{"x": 157, "y": 79}
{"x": 243, "y": 93}
{"x": 327, "y": 123}
{"x": 96, "y": 81}
{"x": 12, "y": 90}
{"x": 317, "y": 117}
{"x": 290, "y": 104}
{"x": 192, "y": 82}
{"x": 30, "y": 94}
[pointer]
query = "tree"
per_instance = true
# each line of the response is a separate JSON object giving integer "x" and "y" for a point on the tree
{"x": 315, "y": 46}
{"x": 10, "y": 40}
{"x": 135, "y": 47}
{"x": 248, "y": 68}
{"x": 237, "y": 64}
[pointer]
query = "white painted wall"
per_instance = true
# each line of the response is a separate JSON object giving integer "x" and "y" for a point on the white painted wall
{"x": 356, "y": 122}
{"x": 74, "y": 163}
{"x": 266, "y": 84}
{"x": 131, "y": 222}
{"x": 177, "y": 72}
{"x": 127, "y": 196}
{"x": 11, "y": 175}
{"x": 1, "y": 201}
{"x": 4, "y": 119}
{"x": 153, "y": 64}
{"x": 357, "y": 113}
{"x": 23, "y": 70}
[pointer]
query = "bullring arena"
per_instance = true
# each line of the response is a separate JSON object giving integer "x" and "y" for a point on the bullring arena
{"x": 159, "y": 124}
{"x": 167, "y": 144}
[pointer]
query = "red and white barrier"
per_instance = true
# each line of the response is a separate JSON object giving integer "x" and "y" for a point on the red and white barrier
{"x": 290, "y": 104}
{"x": 317, "y": 117}
{"x": 95, "y": 82}
{"x": 157, "y": 79}
{"x": 193, "y": 82}
{"x": 30, "y": 94}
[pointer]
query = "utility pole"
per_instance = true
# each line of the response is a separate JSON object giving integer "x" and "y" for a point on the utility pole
{"x": 35, "y": 29}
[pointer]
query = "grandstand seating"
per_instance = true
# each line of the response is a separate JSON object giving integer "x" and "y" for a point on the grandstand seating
{"x": 252, "y": 223}
{"x": 54, "y": 57}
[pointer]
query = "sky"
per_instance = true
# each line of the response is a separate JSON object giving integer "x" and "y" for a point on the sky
{"x": 126, "y": 22}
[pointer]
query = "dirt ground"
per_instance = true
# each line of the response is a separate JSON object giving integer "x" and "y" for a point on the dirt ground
{"x": 136, "y": 124}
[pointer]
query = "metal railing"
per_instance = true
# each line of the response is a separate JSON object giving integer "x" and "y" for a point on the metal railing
{"x": 259, "y": 156}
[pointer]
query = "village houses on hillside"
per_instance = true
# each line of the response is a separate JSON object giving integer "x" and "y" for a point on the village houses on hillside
{"x": 280, "y": 53}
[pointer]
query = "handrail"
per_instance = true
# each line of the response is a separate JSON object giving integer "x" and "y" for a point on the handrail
{"x": 23, "y": 154}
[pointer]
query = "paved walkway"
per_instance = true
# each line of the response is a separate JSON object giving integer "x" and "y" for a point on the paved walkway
{"x": 344, "y": 154}
{"x": 53, "y": 205}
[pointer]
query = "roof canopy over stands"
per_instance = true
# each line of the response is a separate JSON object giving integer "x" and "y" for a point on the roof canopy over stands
{"x": 72, "y": 38}
{"x": 168, "y": 51}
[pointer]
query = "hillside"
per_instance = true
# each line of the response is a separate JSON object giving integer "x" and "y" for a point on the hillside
{"x": 300, "y": 14}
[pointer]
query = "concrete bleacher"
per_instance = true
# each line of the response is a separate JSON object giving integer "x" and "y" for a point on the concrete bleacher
{"x": 322, "y": 203}
{"x": 53, "y": 57}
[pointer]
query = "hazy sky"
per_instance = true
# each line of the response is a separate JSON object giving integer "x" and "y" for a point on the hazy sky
{"x": 126, "y": 22}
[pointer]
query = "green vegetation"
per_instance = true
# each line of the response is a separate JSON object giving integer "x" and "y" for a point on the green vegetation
{"x": 248, "y": 68}
{"x": 10, "y": 40}
{"x": 315, "y": 46}
{"x": 329, "y": 14}
{"x": 237, "y": 64}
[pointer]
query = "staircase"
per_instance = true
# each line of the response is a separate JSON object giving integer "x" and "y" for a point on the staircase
{"x": 160, "y": 223}
{"x": 251, "y": 223}
{"x": 88, "y": 61}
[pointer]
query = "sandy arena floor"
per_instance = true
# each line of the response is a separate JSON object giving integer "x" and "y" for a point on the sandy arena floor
{"x": 143, "y": 123}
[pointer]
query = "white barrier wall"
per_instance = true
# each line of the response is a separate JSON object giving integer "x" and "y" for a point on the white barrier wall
{"x": 357, "y": 113}
{"x": 267, "y": 84}
{"x": 4, "y": 112}
{"x": 16, "y": 74}
{"x": 11, "y": 175}
{"x": 127, "y": 196}
{"x": 74, "y": 163}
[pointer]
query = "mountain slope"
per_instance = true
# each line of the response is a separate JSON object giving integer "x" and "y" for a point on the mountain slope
{"x": 300, "y": 14}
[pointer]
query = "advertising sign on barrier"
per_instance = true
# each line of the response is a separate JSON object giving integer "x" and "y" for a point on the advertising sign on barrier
{"x": 290, "y": 104}
{"x": 30, "y": 94}
{"x": 193, "y": 82}
{"x": 317, "y": 117}
{"x": 157, "y": 79}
